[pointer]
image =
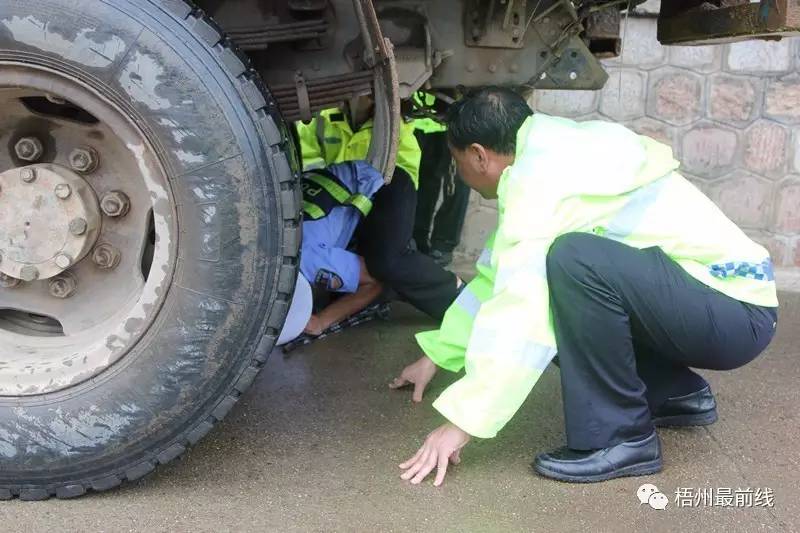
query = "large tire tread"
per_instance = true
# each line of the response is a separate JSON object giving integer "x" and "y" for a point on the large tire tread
{"x": 262, "y": 104}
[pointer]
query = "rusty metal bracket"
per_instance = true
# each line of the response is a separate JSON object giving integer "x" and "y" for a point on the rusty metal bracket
{"x": 409, "y": 32}
{"x": 560, "y": 26}
{"x": 496, "y": 23}
{"x": 603, "y": 33}
{"x": 303, "y": 102}
{"x": 765, "y": 19}
{"x": 379, "y": 55}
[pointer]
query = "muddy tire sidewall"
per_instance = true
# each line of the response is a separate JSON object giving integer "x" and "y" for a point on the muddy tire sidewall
{"x": 224, "y": 150}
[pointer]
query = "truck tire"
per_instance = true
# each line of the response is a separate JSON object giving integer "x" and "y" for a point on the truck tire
{"x": 119, "y": 355}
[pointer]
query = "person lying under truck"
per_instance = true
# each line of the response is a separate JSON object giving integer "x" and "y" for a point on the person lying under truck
{"x": 603, "y": 254}
{"x": 335, "y": 200}
{"x": 385, "y": 235}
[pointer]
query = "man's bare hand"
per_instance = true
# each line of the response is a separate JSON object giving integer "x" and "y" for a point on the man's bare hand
{"x": 419, "y": 374}
{"x": 441, "y": 447}
{"x": 315, "y": 326}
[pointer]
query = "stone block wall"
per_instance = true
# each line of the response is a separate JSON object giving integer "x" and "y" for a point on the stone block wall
{"x": 731, "y": 113}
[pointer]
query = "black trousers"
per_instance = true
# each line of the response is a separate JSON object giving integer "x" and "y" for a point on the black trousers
{"x": 449, "y": 220}
{"x": 384, "y": 240}
{"x": 629, "y": 324}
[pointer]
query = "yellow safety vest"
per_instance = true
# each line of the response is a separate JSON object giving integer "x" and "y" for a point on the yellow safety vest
{"x": 427, "y": 125}
{"x": 624, "y": 187}
{"x": 328, "y": 139}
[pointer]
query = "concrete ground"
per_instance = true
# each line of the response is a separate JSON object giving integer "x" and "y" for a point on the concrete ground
{"x": 314, "y": 446}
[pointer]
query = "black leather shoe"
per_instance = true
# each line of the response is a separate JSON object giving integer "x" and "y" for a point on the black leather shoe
{"x": 632, "y": 458}
{"x": 695, "y": 409}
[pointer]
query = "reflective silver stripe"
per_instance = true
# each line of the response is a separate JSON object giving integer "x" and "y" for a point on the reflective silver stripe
{"x": 469, "y": 302}
{"x": 630, "y": 217}
{"x": 535, "y": 356}
{"x": 538, "y": 265}
{"x": 534, "y": 265}
{"x": 320, "y": 131}
{"x": 517, "y": 351}
{"x": 314, "y": 164}
{"x": 485, "y": 259}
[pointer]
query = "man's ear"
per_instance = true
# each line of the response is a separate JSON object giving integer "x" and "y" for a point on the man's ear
{"x": 480, "y": 155}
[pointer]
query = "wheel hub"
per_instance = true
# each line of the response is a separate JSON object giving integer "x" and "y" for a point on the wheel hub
{"x": 59, "y": 223}
{"x": 81, "y": 279}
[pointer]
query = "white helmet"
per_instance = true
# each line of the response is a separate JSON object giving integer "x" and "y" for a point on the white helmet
{"x": 299, "y": 311}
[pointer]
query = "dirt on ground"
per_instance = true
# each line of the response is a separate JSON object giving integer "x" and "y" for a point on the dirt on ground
{"x": 314, "y": 446}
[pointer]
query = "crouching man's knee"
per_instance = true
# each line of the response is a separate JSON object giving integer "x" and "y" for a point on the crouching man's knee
{"x": 565, "y": 253}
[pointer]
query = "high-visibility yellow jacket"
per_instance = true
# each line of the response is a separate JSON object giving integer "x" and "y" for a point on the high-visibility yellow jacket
{"x": 329, "y": 139}
{"x": 622, "y": 186}
{"x": 427, "y": 125}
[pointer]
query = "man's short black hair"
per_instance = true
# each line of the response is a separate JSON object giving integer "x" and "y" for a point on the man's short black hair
{"x": 490, "y": 117}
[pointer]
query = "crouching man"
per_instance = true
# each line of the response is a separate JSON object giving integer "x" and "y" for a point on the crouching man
{"x": 607, "y": 256}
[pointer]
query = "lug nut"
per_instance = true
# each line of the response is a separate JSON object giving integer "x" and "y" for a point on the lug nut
{"x": 29, "y": 149}
{"x": 83, "y": 159}
{"x": 115, "y": 204}
{"x": 63, "y": 191}
{"x": 105, "y": 256}
{"x": 29, "y": 273}
{"x": 63, "y": 286}
{"x": 28, "y": 175}
{"x": 63, "y": 261}
{"x": 8, "y": 282}
{"x": 77, "y": 226}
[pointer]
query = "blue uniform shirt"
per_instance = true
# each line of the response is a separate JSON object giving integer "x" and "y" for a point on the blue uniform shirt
{"x": 324, "y": 251}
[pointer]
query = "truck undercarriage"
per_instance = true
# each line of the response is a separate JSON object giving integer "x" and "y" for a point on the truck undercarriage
{"x": 316, "y": 54}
